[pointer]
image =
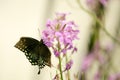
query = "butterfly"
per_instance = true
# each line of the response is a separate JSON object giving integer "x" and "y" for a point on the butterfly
{"x": 36, "y": 51}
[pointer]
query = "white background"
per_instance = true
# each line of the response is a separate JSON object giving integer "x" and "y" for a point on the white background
{"x": 23, "y": 18}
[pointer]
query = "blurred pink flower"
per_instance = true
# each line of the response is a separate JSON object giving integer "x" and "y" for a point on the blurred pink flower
{"x": 114, "y": 76}
{"x": 97, "y": 76}
{"x": 87, "y": 62}
{"x": 100, "y": 58}
{"x": 93, "y": 3}
{"x": 103, "y": 2}
{"x": 96, "y": 51}
{"x": 94, "y": 55}
{"x": 109, "y": 47}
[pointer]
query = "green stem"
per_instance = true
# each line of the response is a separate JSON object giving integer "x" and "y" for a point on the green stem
{"x": 83, "y": 76}
{"x": 68, "y": 72}
{"x": 60, "y": 68}
{"x": 98, "y": 21}
{"x": 60, "y": 62}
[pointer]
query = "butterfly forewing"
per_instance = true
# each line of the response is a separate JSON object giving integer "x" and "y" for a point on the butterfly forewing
{"x": 30, "y": 47}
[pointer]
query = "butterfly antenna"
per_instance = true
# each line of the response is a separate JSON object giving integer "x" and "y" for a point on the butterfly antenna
{"x": 39, "y": 32}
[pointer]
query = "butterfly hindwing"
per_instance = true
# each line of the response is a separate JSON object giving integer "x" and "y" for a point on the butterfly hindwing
{"x": 45, "y": 54}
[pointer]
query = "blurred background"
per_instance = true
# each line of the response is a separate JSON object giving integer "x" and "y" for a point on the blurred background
{"x": 23, "y": 18}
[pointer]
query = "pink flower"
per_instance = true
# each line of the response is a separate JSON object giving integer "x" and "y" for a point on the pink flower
{"x": 74, "y": 50}
{"x": 48, "y": 37}
{"x": 69, "y": 65}
{"x": 64, "y": 51}
{"x": 56, "y": 53}
{"x": 60, "y": 31}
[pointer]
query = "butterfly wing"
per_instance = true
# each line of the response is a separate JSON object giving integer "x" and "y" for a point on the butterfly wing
{"x": 36, "y": 52}
{"x": 45, "y": 53}
{"x": 30, "y": 47}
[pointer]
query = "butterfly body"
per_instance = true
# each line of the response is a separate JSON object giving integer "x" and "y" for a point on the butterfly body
{"x": 36, "y": 51}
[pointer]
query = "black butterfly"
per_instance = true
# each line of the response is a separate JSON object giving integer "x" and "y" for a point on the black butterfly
{"x": 36, "y": 51}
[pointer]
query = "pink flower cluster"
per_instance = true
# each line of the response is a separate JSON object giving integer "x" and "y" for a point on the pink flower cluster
{"x": 60, "y": 31}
